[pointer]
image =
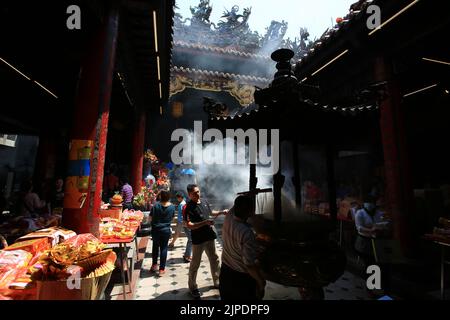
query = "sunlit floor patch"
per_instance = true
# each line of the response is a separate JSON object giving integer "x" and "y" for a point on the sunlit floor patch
{"x": 174, "y": 284}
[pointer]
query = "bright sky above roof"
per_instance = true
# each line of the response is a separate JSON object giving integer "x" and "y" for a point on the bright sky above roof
{"x": 316, "y": 15}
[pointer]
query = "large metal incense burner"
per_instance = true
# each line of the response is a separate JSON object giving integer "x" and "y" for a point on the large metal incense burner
{"x": 298, "y": 254}
{"x": 295, "y": 253}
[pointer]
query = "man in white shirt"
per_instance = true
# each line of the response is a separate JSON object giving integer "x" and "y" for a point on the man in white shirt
{"x": 240, "y": 276}
{"x": 365, "y": 223}
{"x": 369, "y": 225}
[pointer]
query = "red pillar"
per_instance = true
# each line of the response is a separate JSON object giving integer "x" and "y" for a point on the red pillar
{"x": 137, "y": 160}
{"x": 90, "y": 126}
{"x": 399, "y": 193}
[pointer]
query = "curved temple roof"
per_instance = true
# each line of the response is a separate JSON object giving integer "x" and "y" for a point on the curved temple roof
{"x": 226, "y": 75}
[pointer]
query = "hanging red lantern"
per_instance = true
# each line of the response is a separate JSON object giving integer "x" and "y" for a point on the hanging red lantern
{"x": 177, "y": 109}
{"x": 339, "y": 20}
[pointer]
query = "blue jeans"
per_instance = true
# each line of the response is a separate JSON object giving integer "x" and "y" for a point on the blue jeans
{"x": 160, "y": 243}
{"x": 188, "y": 251}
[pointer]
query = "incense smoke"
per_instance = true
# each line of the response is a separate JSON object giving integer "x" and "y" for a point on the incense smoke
{"x": 219, "y": 183}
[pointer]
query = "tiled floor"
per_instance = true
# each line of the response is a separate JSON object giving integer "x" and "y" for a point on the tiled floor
{"x": 174, "y": 284}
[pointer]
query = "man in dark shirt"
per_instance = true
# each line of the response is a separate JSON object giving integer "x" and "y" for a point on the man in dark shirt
{"x": 197, "y": 219}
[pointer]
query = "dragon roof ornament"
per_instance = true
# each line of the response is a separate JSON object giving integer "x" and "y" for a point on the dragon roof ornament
{"x": 232, "y": 32}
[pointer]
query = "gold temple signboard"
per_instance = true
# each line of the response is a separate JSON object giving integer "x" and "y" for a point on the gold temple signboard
{"x": 243, "y": 93}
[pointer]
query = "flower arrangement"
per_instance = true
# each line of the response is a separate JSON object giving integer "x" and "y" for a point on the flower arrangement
{"x": 161, "y": 174}
{"x": 163, "y": 181}
{"x": 145, "y": 198}
{"x": 150, "y": 156}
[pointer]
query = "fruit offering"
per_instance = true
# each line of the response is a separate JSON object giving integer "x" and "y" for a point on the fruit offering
{"x": 116, "y": 200}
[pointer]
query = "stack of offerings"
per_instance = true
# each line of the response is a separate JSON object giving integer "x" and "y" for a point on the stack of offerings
{"x": 443, "y": 231}
{"x": 135, "y": 215}
{"x": 77, "y": 269}
{"x": 54, "y": 235}
{"x": 121, "y": 229}
{"x": 113, "y": 229}
{"x": 13, "y": 264}
{"x": 16, "y": 259}
{"x": 132, "y": 218}
{"x": 35, "y": 247}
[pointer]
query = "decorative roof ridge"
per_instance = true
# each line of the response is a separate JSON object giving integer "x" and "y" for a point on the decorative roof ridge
{"x": 241, "y": 113}
{"x": 221, "y": 50}
{"x": 357, "y": 10}
{"x": 346, "y": 111}
{"x": 220, "y": 74}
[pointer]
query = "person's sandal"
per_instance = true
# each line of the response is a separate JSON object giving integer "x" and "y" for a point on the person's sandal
{"x": 154, "y": 268}
{"x": 187, "y": 259}
{"x": 161, "y": 272}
